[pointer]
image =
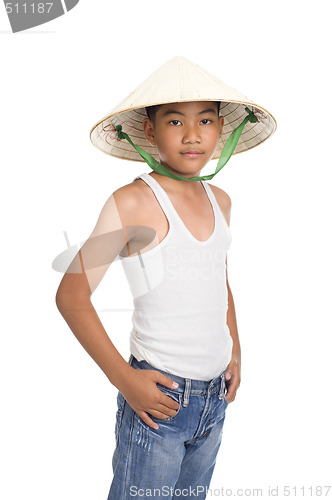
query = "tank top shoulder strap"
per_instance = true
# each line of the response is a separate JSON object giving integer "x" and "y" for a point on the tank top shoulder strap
{"x": 211, "y": 196}
{"x": 160, "y": 194}
{"x": 217, "y": 210}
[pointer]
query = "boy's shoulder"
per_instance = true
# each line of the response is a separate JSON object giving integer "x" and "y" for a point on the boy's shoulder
{"x": 219, "y": 193}
{"x": 131, "y": 199}
{"x": 135, "y": 191}
{"x": 224, "y": 201}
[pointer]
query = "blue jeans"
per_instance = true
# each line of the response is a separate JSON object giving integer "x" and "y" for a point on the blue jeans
{"x": 177, "y": 460}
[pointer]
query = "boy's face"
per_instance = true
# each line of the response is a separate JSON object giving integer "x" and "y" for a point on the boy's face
{"x": 186, "y": 135}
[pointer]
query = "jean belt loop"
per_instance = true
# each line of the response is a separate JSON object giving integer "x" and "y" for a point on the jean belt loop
{"x": 186, "y": 392}
{"x": 222, "y": 386}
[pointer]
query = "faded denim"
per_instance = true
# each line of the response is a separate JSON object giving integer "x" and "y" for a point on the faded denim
{"x": 180, "y": 455}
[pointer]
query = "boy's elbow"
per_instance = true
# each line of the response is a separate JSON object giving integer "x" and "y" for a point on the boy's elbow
{"x": 61, "y": 299}
{"x": 71, "y": 292}
{"x": 68, "y": 304}
{"x": 62, "y": 293}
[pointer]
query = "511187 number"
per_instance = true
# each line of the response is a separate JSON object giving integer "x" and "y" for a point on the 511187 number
{"x": 34, "y": 8}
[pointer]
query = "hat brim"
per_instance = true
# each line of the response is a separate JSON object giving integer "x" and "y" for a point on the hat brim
{"x": 103, "y": 134}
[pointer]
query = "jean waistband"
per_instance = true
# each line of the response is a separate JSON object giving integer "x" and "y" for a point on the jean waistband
{"x": 187, "y": 386}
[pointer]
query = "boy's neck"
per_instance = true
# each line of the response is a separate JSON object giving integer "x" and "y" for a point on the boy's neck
{"x": 178, "y": 186}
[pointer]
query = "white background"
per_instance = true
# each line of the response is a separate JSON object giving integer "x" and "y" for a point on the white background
{"x": 57, "y": 81}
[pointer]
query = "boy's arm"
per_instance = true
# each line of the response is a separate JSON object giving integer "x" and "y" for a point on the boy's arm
{"x": 233, "y": 373}
{"x": 73, "y": 297}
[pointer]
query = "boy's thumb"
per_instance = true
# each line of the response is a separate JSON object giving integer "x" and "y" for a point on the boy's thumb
{"x": 228, "y": 373}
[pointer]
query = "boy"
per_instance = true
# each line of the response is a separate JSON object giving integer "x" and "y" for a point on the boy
{"x": 184, "y": 324}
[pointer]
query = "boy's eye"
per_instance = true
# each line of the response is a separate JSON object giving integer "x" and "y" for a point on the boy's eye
{"x": 205, "y": 120}
{"x": 175, "y": 122}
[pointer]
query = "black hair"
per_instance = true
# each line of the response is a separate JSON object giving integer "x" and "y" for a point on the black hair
{"x": 152, "y": 110}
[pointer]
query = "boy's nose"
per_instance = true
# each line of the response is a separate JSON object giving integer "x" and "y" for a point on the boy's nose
{"x": 191, "y": 134}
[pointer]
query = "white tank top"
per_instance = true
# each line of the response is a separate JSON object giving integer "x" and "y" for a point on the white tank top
{"x": 180, "y": 296}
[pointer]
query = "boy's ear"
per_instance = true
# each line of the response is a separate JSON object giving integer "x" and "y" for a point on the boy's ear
{"x": 221, "y": 123}
{"x": 149, "y": 131}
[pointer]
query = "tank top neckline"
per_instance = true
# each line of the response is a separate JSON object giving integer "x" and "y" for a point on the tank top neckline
{"x": 177, "y": 216}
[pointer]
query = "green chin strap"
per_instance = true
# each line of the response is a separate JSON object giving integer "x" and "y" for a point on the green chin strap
{"x": 224, "y": 157}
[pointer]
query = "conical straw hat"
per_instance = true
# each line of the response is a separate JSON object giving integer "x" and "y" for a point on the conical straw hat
{"x": 180, "y": 80}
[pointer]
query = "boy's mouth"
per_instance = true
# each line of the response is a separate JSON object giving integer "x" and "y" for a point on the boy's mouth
{"x": 192, "y": 153}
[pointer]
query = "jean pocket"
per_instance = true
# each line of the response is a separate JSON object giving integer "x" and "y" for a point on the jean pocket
{"x": 118, "y": 417}
{"x": 176, "y": 397}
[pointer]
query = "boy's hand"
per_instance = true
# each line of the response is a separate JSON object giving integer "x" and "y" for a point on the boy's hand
{"x": 143, "y": 395}
{"x": 233, "y": 378}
